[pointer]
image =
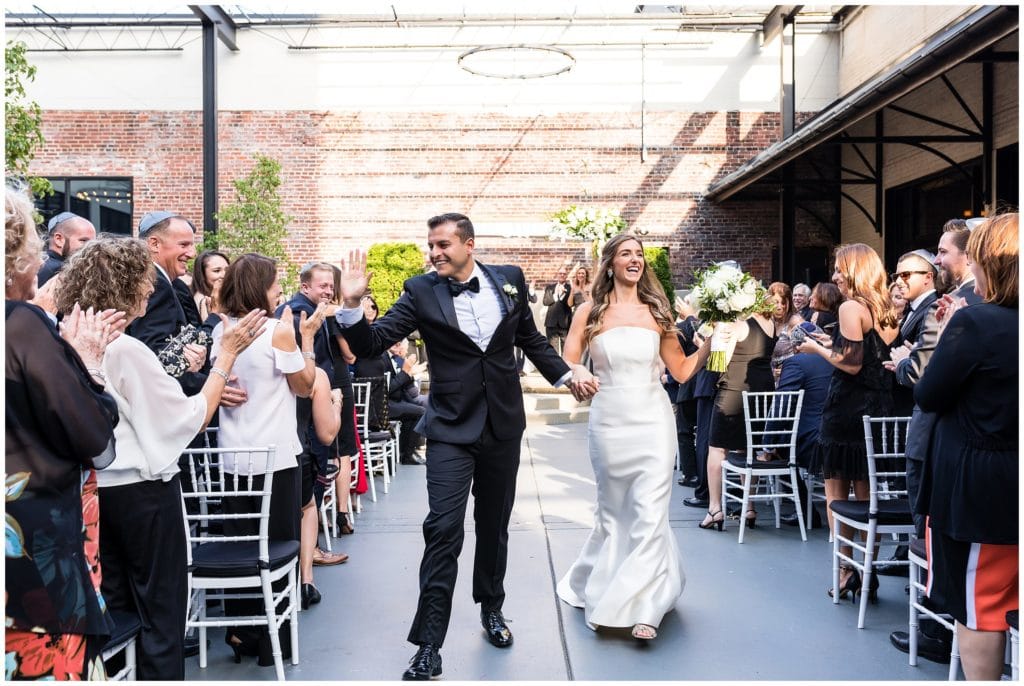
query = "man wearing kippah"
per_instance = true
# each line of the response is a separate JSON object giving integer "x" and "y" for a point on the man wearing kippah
{"x": 66, "y": 234}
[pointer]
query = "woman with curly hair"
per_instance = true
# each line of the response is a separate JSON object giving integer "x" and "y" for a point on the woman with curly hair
{"x": 140, "y": 491}
{"x": 629, "y": 573}
{"x": 59, "y": 424}
{"x": 860, "y": 384}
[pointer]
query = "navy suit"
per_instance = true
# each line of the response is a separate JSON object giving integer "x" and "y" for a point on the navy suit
{"x": 474, "y": 423}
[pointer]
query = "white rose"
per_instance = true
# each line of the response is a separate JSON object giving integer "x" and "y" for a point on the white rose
{"x": 750, "y": 287}
{"x": 714, "y": 283}
{"x": 741, "y": 301}
{"x": 730, "y": 274}
{"x": 723, "y": 304}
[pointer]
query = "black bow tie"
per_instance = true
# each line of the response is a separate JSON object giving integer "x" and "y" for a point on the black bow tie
{"x": 472, "y": 285}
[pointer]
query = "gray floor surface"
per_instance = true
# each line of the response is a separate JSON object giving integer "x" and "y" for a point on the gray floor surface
{"x": 756, "y": 611}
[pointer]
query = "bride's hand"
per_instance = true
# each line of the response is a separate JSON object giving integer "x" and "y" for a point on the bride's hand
{"x": 583, "y": 384}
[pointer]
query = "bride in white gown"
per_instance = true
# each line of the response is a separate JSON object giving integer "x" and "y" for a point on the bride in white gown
{"x": 629, "y": 573}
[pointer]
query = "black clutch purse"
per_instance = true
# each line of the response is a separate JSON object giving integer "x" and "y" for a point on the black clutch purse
{"x": 172, "y": 357}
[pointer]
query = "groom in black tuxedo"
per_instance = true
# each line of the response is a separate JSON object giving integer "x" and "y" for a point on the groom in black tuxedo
{"x": 471, "y": 317}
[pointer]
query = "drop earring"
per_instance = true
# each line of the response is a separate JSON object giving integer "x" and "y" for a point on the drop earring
{"x": 609, "y": 273}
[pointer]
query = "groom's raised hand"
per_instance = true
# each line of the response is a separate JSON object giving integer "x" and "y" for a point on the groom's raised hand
{"x": 354, "y": 278}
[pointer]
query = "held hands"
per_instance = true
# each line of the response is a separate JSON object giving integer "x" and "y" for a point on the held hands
{"x": 238, "y": 337}
{"x": 90, "y": 332}
{"x": 354, "y": 278}
{"x": 583, "y": 384}
{"x": 233, "y": 396}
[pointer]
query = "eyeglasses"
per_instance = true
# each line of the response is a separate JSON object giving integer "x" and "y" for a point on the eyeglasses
{"x": 906, "y": 275}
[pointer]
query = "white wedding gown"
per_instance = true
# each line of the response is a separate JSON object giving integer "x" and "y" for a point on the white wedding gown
{"x": 629, "y": 570}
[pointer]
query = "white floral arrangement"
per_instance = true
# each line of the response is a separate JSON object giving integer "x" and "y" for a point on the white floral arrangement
{"x": 724, "y": 293}
{"x": 586, "y": 223}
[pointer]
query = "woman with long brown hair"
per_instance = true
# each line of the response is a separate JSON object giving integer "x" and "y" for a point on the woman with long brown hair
{"x": 629, "y": 573}
{"x": 860, "y": 384}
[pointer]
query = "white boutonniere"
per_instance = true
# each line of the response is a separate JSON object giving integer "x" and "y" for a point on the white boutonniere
{"x": 511, "y": 291}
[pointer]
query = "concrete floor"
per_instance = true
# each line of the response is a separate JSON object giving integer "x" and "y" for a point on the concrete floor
{"x": 756, "y": 611}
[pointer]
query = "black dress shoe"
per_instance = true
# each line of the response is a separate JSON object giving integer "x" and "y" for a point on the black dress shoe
{"x": 688, "y": 481}
{"x": 791, "y": 520}
{"x": 893, "y": 570}
{"x": 425, "y": 664}
{"x": 310, "y": 596}
{"x": 497, "y": 631}
{"x": 695, "y": 502}
{"x": 929, "y": 648}
{"x": 192, "y": 645}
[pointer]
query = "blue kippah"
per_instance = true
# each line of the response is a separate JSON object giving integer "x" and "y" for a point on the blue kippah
{"x": 60, "y": 219}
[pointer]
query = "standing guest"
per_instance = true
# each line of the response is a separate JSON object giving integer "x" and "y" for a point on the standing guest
{"x": 370, "y": 309}
{"x": 802, "y": 301}
{"x": 916, "y": 276}
{"x": 749, "y": 354}
{"x": 345, "y": 451}
{"x": 629, "y": 572}
{"x": 309, "y": 305}
{"x": 580, "y": 287}
{"x": 140, "y": 492}
{"x": 207, "y": 275}
{"x": 273, "y": 371}
{"x": 860, "y": 384}
{"x": 786, "y": 318}
{"x": 934, "y": 641}
{"x": 531, "y": 296}
{"x": 681, "y": 395}
{"x": 971, "y": 481}
{"x": 67, "y": 234}
{"x": 558, "y": 299}
{"x": 705, "y": 382}
{"x": 471, "y": 316}
{"x": 825, "y": 301}
{"x": 899, "y": 301}
{"x": 59, "y": 425}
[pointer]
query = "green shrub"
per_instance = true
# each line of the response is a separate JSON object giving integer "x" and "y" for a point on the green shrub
{"x": 392, "y": 264}
{"x": 657, "y": 259}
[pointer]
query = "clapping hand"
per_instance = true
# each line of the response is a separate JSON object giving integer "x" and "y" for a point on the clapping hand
{"x": 354, "y": 278}
{"x": 308, "y": 326}
{"x": 948, "y": 305}
{"x": 240, "y": 336}
{"x": 90, "y": 332}
{"x": 44, "y": 297}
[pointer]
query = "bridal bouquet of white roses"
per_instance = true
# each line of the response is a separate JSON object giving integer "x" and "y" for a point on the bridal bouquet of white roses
{"x": 722, "y": 294}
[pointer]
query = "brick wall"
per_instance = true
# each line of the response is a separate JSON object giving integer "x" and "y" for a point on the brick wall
{"x": 354, "y": 178}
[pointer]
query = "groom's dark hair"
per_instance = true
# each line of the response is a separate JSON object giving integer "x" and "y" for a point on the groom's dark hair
{"x": 463, "y": 227}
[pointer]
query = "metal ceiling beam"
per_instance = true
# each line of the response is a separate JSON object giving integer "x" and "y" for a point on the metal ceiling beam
{"x": 221, "y": 21}
{"x": 772, "y": 24}
{"x": 966, "y": 38}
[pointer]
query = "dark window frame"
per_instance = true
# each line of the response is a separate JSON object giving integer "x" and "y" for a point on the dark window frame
{"x": 62, "y": 184}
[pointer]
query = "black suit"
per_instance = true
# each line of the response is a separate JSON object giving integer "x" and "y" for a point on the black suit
{"x": 401, "y": 408}
{"x": 559, "y": 315}
{"x": 53, "y": 264}
{"x": 910, "y": 330}
{"x": 473, "y": 423}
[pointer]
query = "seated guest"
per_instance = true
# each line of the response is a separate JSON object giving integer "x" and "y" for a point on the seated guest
{"x": 969, "y": 490}
{"x": 403, "y": 403}
{"x": 272, "y": 372}
{"x": 59, "y": 424}
{"x": 825, "y": 301}
{"x": 140, "y": 492}
{"x": 812, "y": 374}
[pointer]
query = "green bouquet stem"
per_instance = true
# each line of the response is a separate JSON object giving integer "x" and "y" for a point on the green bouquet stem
{"x": 716, "y": 361}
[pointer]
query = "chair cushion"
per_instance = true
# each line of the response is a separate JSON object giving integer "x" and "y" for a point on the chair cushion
{"x": 126, "y": 625}
{"x": 739, "y": 460}
{"x": 240, "y": 558}
{"x": 918, "y": 547}
{"x": 378, "y": 436}
{"x": 890, "y": 512}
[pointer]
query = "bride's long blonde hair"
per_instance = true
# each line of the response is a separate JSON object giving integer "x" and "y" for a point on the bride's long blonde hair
{"x": 648, "y": 290}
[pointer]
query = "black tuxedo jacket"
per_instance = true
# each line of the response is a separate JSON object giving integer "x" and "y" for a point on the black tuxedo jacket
{"x": 164, "y": 318}
{"x": 912, "y": 325}
{"x": 559, "y": 314}
{"x": 468, "y": 386}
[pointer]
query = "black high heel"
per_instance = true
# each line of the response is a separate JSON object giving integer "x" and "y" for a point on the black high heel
{"x": 240, "y": 646}
{"x": 851, "y": 586}
{"x": 717, "y": 519}
{"x": 873, "y": 589}
{"x": 751, "y": 519}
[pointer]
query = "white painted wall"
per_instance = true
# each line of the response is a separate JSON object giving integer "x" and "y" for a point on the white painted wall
{"x": 876, "y": 36}
{"x": 723, "y": 71}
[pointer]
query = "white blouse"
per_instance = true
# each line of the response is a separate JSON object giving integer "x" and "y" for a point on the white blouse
{"x": 267, "y": 417}
{"x": 158, "y": 420}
